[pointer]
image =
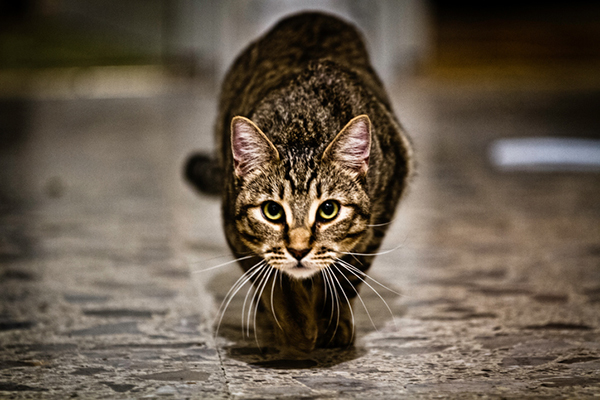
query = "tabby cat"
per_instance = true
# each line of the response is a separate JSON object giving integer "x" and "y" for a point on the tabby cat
{"x": 311, "y": 163}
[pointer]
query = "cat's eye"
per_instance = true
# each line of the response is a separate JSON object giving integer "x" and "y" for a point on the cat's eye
{"x": 328, "y": 210}
{"x": 272, "y": 211}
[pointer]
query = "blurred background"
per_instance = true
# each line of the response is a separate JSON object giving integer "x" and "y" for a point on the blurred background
{"x": 497, "y": 243}
{"x": 557, "y": 40}
{"x": 180, "y": 49}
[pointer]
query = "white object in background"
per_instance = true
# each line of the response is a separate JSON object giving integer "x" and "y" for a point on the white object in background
{"x": 546, "y": 154}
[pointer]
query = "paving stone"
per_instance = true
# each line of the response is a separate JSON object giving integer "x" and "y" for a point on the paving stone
{"x": 183, "y": 375}
{"x": 108, "y": 329}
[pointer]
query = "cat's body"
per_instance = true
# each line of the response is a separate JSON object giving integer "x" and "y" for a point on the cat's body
{"x": 313, "y": 163}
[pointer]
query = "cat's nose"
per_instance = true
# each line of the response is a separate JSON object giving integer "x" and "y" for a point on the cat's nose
{"x": 299, "y": 242}
{"x": 298, "y": 254}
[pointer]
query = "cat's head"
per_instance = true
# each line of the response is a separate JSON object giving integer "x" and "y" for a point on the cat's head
{"x": 297, "y": 210}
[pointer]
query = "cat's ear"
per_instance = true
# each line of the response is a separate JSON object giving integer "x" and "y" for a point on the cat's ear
{"x": 352, "y": 146}
{"x": 251, "y": 148}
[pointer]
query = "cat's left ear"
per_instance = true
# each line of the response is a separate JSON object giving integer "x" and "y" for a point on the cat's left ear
{"x": 250, "y": 146}
{"x": 352, "y": 146}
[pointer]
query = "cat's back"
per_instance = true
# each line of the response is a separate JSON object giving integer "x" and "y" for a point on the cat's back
{"x": 287, "y": 49}
{"x": 306, "y": 37}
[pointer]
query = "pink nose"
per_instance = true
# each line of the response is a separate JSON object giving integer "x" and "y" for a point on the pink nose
{"x": 298, "y": 254}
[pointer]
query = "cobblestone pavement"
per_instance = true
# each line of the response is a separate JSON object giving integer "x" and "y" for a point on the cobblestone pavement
{"x": 103, "y": 247}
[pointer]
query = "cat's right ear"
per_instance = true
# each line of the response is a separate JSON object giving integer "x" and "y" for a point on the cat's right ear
{"x": 250, "y": 146}
{"x": 352, "y": 146}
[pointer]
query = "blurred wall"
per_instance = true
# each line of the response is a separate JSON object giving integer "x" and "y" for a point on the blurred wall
{"x": 142, "y": 21}
{"x": 210, "y": 33}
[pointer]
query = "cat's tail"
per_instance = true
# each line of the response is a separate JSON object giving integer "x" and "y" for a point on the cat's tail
{"x": 204, "y": 173}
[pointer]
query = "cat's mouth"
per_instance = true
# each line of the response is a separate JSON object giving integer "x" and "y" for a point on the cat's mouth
{"x": 301, "y": 270}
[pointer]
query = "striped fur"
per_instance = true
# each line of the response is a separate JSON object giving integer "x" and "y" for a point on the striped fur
{"x": 303, "y": 119}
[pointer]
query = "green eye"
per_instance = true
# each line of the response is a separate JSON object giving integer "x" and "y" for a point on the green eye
{"x": 272, "y": 211}
{"x": 328, "y": 210}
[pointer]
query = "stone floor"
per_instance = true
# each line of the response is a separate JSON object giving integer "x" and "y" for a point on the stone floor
{"x": 103, "y": 293}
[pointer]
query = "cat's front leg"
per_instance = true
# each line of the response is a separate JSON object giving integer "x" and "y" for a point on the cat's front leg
{"x": 334, "y": 305}
{"x": 336, "y": 324}
{"x": 289, "y": 304}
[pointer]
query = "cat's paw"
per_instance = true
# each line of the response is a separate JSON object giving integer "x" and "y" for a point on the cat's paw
{"x": 296, "y": 342}
{"x": 340, "y": 336}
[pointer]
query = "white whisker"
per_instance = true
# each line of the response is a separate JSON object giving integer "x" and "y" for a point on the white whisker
{"x": 250, "y": 291}
{"x": 254, "y": 290}
{"x": 347, "y": 301}
{"x": 373, "y": 254}
{"x": 382, "y": 224}
{"x": 226, "y": 255}
{"x": 242, "y": 280}
{"x": 257, "y": 302}
{"x": 334, "y": 298}
{"x": 347, "y": 266}
{"x": 358, "y": 295}
{"x": 353, "y": 256}
{"x": 223, "y": 264}
{"x": 277, "y": 272}
{"x": 358, "y": 271}
{"x": 324, "y": 292}
{"x": 335, "y": 302}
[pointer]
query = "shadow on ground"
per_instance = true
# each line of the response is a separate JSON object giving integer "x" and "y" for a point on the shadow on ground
{"x": 256, "y": 346}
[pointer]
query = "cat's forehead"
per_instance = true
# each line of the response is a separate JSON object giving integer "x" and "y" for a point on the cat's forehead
{"x": 304, "y": 183}
{"x": 301, "y": 176}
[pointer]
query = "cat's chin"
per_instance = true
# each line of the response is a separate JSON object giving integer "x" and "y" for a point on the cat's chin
{"x": 300, "y": 272}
